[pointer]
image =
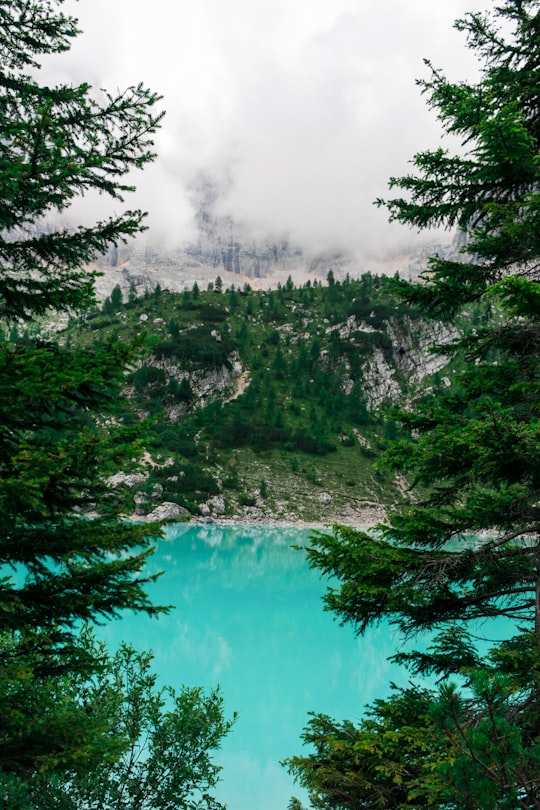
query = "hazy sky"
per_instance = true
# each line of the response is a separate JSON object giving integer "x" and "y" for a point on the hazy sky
{"x": 302, "y": 109}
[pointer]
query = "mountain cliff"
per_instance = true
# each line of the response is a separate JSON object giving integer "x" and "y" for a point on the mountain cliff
{"x": 226, "y": 248}
{"x": 269, "y": 404}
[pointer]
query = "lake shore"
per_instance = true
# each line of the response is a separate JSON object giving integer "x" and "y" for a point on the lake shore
{"x": 364, "y": 520}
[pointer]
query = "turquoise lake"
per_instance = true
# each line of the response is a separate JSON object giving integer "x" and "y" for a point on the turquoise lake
{"x": 249, "y": 617}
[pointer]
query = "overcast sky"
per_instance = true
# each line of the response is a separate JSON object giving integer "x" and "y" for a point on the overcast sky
{"x": 302, "y": 109}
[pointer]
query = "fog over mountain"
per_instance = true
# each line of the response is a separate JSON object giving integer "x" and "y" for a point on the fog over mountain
{"x": 291, "y": 114}
{"x": 222, "y": 247}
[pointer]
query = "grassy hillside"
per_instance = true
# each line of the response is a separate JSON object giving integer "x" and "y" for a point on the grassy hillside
{"x": 268, "y": 403}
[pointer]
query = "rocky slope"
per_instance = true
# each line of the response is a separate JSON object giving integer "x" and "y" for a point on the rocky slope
{"x": 271, "y": 405}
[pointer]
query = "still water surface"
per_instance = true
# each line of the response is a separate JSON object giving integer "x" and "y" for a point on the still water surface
{"x": 248, "y": 616}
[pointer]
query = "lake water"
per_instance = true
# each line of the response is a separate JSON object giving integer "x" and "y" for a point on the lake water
{"x": 248, "y": 616}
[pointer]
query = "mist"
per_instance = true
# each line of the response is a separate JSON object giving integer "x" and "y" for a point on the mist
{"x": 299, "y": 112}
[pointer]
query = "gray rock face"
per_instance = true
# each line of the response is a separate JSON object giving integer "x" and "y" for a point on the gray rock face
{"x": 127, "y": 479}
{"x": 141, "y": 503}
{"x": 205, "y": 383}
{"x": 407, "y": 357}
{"x": 168, "y": 511}
{"x": 225, "y": 247}
{"x": 217, "y": 505}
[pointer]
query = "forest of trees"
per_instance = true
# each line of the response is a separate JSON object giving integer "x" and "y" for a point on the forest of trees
{"x": 70, "y": 713}
{"x": 84, "y": 728}
{"x": 467, "y": 549}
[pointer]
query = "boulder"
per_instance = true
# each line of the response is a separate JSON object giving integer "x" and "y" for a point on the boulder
{"x": 141, "y": 503}
{"x": 168, "y": 511}
{"x": 217, "y": 505}
{"x": 128, "y": 479}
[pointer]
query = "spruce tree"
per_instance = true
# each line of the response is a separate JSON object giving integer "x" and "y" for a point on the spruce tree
{"x": 59, "y": 143}
{"x": 466, "y": 547}
{"x": 474, "y": 447}
{"x": 59, "y": 436}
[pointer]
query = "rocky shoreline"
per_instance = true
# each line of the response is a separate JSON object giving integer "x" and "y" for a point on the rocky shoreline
{"x": 364, "y": 519}
{"x": 151, "y": 509}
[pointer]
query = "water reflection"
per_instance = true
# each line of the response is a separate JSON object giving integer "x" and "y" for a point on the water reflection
{"x": 249, "y": 617}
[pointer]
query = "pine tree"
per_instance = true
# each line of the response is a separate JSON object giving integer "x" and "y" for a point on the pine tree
{"x": 58, "y": 144}
{"x": 442, "y": 748}
{"x": 58, "y": 440}
{"x": 467, "y": 546}
{"x": 475, "y": 445}
{"x": 489, "y": 190}
{"x": 116, "y": 297}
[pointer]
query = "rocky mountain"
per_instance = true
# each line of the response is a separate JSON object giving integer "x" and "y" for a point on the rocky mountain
{"x": 224, "y": 247}
{"x": 270, "y": 404}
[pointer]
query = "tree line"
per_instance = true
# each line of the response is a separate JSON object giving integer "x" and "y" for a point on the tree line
{"x": 464, "y": 551}
{"x": 468, "y": 549}
{"x": 79, "y": 727}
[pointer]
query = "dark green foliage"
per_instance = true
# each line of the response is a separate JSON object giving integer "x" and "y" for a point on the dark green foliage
{"x": 116, "y": 297}
{"x": 233, "y": 300}
{"x": 149, "y": 376}
{"x": 303, "y": 383}
{"x": 150, "y": 747}
{"x": 288, "y": 375}
{"x": 57, "y": 144}
{"x": 183, "y": 392}
{"x": 57, "y": 405}
{"x": 54, "y": 458}
{"x": 417, "y": 589}
{"x": 375, "y": 765}
{"x": 312, "y": 442}
{"x": 357, "y": 405}
{"x": 447, "y": 749}
{"x": 175, "y": 437}
{"x": 466, "y": 548}
{"x": 186, "y": 483}
{"x": 210, "y": 314}
{"x": 197, "y": 347}
{"x": 491, "y": 192}
{"x": 474, "y": 444}
{"x": 259, "y": 423}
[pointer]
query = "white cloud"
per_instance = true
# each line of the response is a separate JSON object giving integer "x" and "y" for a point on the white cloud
{"x": 307, "y": 106}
